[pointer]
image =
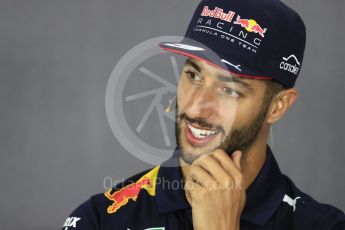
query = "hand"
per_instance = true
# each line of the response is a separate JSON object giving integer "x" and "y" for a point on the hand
{"x": 215, "y": 189}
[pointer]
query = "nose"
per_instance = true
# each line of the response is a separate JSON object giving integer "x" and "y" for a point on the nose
{"x": 202, "y": 104}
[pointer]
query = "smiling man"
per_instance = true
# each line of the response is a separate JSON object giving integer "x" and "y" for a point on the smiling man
{"x": 244, "y": 57}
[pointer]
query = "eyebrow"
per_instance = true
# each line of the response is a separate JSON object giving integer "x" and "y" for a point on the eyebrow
{"x": 235, "y": 80}
{"x": 220, "y": 77}
{"x": 193, "y": 64}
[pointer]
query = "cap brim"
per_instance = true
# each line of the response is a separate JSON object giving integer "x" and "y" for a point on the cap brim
{"x": 200, "y": 52}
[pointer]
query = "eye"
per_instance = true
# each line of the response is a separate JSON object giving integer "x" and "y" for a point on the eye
{"x": 231, "y": 92}
{"x": 192, "y": 76}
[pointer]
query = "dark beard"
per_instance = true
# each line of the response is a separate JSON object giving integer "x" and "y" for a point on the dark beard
{"x": 240, "y": 138}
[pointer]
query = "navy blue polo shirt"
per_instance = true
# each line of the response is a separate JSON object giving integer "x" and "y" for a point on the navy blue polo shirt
{"x": 155, "y": 200}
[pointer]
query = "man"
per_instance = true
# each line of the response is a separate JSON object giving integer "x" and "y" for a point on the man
{"x": 243, "y": 60}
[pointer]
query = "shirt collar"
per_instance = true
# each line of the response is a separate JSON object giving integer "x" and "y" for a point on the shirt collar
{"x": 263, "y": 196}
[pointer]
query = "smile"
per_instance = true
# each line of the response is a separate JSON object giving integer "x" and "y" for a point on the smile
{"x": 200, "y": 133}
{"x": 198, "y": 136}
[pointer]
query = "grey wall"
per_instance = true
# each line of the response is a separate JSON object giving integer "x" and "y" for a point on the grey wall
{"x": 56, "y": 146}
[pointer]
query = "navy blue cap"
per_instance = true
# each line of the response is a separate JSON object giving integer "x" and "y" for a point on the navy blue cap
{"x": 260, "y": 39}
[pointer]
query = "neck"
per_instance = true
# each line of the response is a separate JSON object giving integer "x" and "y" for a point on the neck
{"x": 252, "y": 160}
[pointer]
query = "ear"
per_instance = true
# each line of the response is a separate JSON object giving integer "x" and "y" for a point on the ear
{"x": 281, "y": 104}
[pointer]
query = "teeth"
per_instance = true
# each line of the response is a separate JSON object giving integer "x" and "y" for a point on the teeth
{"x": 201, "y": 133}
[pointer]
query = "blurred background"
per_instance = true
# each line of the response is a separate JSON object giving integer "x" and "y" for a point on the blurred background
{"x": 56, "y": 146}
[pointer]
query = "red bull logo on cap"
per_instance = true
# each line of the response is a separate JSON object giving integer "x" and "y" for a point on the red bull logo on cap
{"x": 250, "y": 25}
{"x": 218, "y": 13}
{"x": 131, "y": 191}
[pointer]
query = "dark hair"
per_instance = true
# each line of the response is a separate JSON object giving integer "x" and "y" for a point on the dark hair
{"x": 272, "y": 89}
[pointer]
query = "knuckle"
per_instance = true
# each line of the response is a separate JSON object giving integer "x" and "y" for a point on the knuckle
{"x": 202, "y": 163}
{"x": 239, "y": 177}
{"x": 228, "y": 182}
{"x": 193, "y": 172}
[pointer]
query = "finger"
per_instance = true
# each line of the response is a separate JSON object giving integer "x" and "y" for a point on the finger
{"x": 201, "y": 177}
{"x": 192, "y": 189}
{"x": 236, "y": 158}
{"x": 211, "y": 165}
{"x": 188, "y": 196}
{"x": 227, "y": 163}
{"x": 191, "y": 185}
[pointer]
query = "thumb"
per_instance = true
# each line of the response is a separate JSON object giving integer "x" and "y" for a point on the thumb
{"x": 236, "y": 157}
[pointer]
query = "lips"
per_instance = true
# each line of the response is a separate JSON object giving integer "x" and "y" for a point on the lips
{"x": 199, "y": 136}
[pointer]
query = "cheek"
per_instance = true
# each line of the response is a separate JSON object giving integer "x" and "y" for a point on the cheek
{"x": 228, "y": 113}
{"x": 184, "y": 95}
{"x": 238, "y": 113}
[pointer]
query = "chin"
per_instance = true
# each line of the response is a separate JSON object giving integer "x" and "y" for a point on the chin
{"x": 189, "y": 153}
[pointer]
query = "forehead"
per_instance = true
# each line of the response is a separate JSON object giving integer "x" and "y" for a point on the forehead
{"x": 203, "y": 66}
{"x": 208, "y": 69}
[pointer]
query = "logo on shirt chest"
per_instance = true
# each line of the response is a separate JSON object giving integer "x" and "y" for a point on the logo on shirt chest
{"x": 71, "y": 222}
{"x": 291, "y": 202}
{"x": 131, "y": 191}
